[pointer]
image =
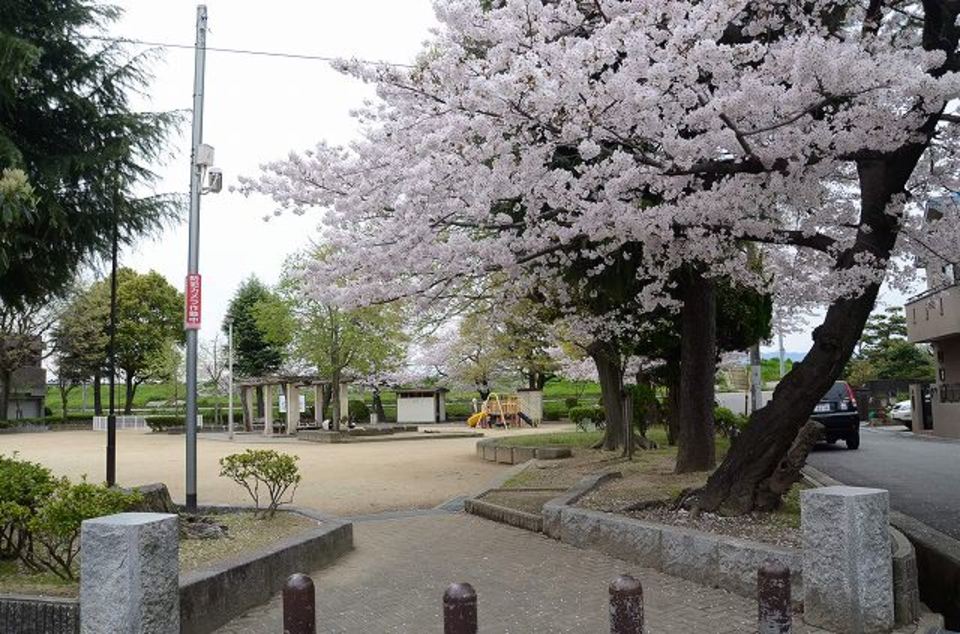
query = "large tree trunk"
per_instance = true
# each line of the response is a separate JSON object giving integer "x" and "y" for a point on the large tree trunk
{"x": 6, "y": 377}
{"x": 607, "y": 359}
{"x": 673, "y": 410}
{"x": 335, "y": 399}
{"x": 97, "y": 396}
{"x": 131, "y": 390}
{"x": 698, "y": 360}
{"x": 378, "y": 406}
{"x": 742, "y": 483}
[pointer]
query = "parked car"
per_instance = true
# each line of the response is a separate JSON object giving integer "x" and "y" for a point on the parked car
{"x": 837, "y": 412}
{"x": 902, "y": 412}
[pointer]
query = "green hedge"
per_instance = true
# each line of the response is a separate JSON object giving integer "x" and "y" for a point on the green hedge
{"x": 52, "y": 421}
{"x": 161, "y": 423}
{"x": 358, "y": 411}
{"x": 583, "y": 415}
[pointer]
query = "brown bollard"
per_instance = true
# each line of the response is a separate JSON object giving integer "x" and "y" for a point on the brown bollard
{"x": 626, "y": 606}
{"x": 773, "y": 598}
{"x": 299, "y": 605}
{"x": 460, "y": 609}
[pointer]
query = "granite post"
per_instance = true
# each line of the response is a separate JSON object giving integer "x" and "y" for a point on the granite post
{"x": 847, "y": 566}
{"x": 129, "y": 574}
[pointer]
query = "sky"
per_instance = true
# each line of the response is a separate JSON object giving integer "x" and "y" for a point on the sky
{"x": 258, "y": 109}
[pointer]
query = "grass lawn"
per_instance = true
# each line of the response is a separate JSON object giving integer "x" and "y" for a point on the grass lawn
{"x": 246, "y": 535}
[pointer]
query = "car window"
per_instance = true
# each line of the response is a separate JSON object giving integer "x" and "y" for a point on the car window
{"x": 836, "y": 393}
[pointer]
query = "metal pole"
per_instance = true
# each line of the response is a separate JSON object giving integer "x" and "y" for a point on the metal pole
{"x": 230, "y": 371}
{"x": 460, "y": 609}
{"x": 783, "y": 362}
{"x": 299, "y": 605}
{"x": 112, "y": 345}
{"x": 193, "y": 259}
{"x": 756, "y": 378}
{"x": 773, "y": 599}
{"x": 626, "y": 606}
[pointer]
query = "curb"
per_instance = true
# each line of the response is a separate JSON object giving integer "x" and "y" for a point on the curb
{"x": 553, "y": 509}
{"x": 492, "y": 451}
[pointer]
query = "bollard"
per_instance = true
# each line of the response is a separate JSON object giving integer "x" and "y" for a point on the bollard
{"x": 460, "y": 609}
{"x": 773, "y": 598}
{"x": 299, "y": 605}
{"x": 626, "y": 606}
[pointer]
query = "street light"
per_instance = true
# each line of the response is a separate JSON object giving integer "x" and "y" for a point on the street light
{"x": 230, "y": 373}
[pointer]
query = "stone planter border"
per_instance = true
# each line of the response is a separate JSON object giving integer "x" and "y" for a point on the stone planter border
{"x": 211, "y": 596}
{"x": 492, "y": 450}
{"x": 503, "y": 514}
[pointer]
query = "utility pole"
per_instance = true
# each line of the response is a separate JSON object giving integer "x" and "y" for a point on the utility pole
{"x": 783, "y": 354}
{"x": 756, "y": 378}
{"x": 191, "y": 322}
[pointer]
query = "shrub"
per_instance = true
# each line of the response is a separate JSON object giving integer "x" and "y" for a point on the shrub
{"x": 583, "y": 415}
{"x": 358, "y": 411}
{"x": 162, "y": 423}
{"x": 728, "y": 422}
{"x": 571, "y": 402}
{"x": 254, "y": 468}
{"x": 23, "y": 488}
{"x": 55, "y": 528}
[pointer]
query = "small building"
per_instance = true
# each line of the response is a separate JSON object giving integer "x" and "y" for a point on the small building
{"x": 28, "y": 385}
{"x": 422, "y": 405}
{"x": 934, "y": 318}
{"x": 531, "y": 405}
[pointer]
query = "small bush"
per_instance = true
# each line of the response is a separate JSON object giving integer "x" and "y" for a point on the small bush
{"x": 358, "y": 411}
{"x": 55, "y": 528}
{"x": 571, "y": 402}
{"x": 163, "y": 423}
{"x": 580, "y": 416}
{"x": 728, "y": 422}
{"x": 23, "y": 488}
{"x": 274, "y": 471}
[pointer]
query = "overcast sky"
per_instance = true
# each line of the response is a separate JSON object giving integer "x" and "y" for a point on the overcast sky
{"x": 258, "y": 109}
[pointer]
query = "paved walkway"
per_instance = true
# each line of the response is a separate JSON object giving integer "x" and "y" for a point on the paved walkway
{"x": 921, "y": 474}
{"x": 394, "y": 580}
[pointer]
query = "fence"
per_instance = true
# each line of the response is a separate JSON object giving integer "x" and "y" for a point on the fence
{"x": 774, "y": 615}
{"x": 131, "y": 422}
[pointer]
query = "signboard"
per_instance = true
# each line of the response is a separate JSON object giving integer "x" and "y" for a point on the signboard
{"x": 192, "y": 295}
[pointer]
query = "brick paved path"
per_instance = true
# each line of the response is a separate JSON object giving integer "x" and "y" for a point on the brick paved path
{"x": 394, "y": 580}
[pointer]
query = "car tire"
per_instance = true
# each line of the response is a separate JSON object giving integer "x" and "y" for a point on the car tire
{"x": 853, "y": 442}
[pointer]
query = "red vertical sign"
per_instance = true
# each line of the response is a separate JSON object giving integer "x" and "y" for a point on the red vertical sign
{"x": 191, "y": 317}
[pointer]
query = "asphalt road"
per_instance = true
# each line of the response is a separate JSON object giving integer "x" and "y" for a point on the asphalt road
{"x": 922, "y": 475}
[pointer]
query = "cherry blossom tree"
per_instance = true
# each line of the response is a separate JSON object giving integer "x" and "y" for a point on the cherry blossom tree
{"x": 532, "y": 137}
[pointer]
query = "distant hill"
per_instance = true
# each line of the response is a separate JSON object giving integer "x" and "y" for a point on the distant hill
{"x": 793, "y": 356}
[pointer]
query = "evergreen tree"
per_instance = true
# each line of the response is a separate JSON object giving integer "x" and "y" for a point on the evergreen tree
{"x": 66, "y": 124}
{"x": 254, "y": 354}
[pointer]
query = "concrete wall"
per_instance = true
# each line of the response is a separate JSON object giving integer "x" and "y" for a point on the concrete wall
{"x": 415, "y": 409}
{"x": 935, "y": 316}
{"x": 739, "y": 402}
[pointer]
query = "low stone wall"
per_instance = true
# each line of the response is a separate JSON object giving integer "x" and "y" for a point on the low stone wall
{"x": 32, "y": 428}
{"x": 492, "y": 450}
{"x": 937, "y": 565}
{"x": 503, "y": 514}
{"x": 553, "y": 509}
{"x": 211, "y": 597}
{"x": 31, "y": 615}
{"x": 705, "y": 558}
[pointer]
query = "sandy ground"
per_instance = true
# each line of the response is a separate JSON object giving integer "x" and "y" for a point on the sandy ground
{"x": 341, "y": 479}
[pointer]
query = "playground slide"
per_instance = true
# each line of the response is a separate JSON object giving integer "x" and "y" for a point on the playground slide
{"x": 525, "y": 418}
{"x": 475, "y": 420}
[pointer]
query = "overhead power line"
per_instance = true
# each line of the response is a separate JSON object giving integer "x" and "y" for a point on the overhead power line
{"x": 242, "y": 51}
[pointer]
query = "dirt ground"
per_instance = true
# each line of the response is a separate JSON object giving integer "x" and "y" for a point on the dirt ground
{"x": 341, "y": 479}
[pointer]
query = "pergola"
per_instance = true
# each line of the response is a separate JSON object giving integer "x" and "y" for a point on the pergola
{"x": 291, "y": 385}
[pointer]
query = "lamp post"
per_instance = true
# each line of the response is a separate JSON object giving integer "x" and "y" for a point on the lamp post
{"x": 112, "y": 345}
{"x": 230, "y": 373}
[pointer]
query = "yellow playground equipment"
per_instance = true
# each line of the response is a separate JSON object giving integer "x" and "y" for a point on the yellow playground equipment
{"x": 499, "y": 411}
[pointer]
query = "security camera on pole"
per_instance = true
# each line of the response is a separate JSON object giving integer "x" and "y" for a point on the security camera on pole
{"x": 201, "y": 166}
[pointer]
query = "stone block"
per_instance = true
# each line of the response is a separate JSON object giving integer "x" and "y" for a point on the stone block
{"x": 620, "y": 537}
{"x": 490, "y": 453}
{"x": 551, "y": 513}
{"x": 504, "y": 455}
{"x": 739, "y": 560}
{"x": 690, "y": 555}
{"x": 129, "y": 574}
{"x": 553, "y": 453}
{"x": 523, "y": 454}
{"x": 848, "y": 574}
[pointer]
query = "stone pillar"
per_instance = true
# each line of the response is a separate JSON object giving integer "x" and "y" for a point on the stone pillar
{"x": 344, "y": 401}
{"x": 247, "y": 394}
{"x": 129, "y": 574}
{"x": 847, "y": 567}
{"x": 318, "y": 404}
{"x": 268, "y": 410}
{"x": 293, "y": 407}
